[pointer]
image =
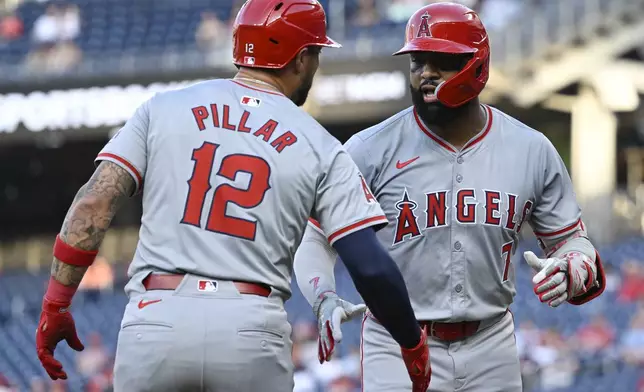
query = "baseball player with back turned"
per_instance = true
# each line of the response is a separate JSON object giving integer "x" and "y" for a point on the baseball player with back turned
{"x": 457, "y": 181}
{"x": 233, "y": 168}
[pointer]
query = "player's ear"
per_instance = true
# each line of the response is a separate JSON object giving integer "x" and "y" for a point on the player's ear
{"x": 300, "y": 61}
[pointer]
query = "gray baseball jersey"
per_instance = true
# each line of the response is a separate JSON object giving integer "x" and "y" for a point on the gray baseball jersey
{"x": 454, "y": 216}
{"x": 232, "y": 173}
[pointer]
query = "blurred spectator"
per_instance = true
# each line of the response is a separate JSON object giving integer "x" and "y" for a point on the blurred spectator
{"x": 342, "y": 384}
{"x": 94, "y": 358}
{"x": 5, "y": 385}
{"x": 212, "y": 33}
{"x": 596, "y": 336}
{"x": 527, "y": 336}
{"x": 632, "y": 342}
{"x": 632, "y": 287}
{"x": 58, "y": 386}
{"x": 65, "y": 54}
{"x": 399, "y": 11}
{"x": 595, "y": 346}
{"x": 640, "y": 385}
{"x": 53, "y": 35}
{"x": 46, "y": 30}
{"x": 496, "y": 14}
{"x": 303, "y": 379}
{"x": 555, "y": 360}
{"x": 366, "y": 14}
{"x": 70, "y": 23}
{"x": 11, "y": 27}
{"x": 99, "y": 277}
{"x": 9, "y": 5}
{"x": 103, "y": 381}
{"x": 37, "y": 384}
{"x": 613, "y": 280}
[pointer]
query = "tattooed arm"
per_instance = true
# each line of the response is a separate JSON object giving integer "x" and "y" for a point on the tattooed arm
{"x": 90, "y": 216}
{"x": 122, "y": 164}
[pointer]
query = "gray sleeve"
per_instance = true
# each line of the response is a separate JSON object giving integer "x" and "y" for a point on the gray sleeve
{"x": 313, "y": 264}
{"x": 556, "y": 209}
{"x": 359, "y": 153}
{"x": 128, "y": 147}
{"x": 344, "y": 203}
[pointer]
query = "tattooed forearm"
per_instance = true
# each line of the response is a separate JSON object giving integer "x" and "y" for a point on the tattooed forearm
{"x": 90, "y": 216}
{"x": 69, "y": 275}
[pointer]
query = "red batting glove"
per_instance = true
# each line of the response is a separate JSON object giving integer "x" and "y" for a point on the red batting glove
{"x": 56, "y": 324}
{"x": 418, "y": 364}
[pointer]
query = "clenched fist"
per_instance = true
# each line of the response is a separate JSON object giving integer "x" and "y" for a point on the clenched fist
{"x": 418, "y": 363}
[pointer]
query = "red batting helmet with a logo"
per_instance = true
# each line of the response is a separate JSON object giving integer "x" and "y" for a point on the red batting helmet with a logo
{"x": 452, "y": 28}
{"x": 269, "y": 33}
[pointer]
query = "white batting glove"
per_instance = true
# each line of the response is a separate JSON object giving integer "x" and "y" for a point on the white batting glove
{"x": 331, "y": 311}
{"x": 559, "y": 279}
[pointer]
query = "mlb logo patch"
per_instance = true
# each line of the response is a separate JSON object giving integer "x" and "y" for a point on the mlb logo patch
{"x": 250, "y": 101}
{"x": 207, "y": 285}
{"x": 250, "y": 60}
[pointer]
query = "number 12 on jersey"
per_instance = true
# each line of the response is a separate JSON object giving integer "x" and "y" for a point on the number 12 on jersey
{"x": 199, "y": 185}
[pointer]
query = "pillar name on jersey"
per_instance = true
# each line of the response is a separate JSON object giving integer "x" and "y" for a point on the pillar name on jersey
{"x": 220, "y": 118}
{"x": 499, "y": 209}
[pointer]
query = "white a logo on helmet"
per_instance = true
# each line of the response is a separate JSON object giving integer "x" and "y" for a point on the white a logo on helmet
{"x": 249, "y": 60}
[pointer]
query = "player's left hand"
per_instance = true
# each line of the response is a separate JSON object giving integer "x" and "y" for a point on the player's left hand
{"x": 560, "y": 279}
{"x": 331, "y": 312}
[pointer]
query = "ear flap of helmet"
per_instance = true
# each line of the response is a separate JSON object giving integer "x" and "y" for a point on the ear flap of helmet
{"x": 467, "y": 84}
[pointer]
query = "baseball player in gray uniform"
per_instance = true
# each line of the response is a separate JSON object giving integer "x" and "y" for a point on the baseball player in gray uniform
{"x": 457, "y": 181}
{"x": 233, "y": 169}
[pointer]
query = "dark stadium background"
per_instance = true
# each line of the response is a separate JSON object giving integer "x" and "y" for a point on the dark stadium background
{"x": 48, "y": 143}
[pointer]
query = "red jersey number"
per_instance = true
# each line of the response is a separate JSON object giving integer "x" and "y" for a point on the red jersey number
{"x": 199, "y": 185}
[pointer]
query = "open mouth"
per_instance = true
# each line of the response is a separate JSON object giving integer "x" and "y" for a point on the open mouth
{"x": 429, "y": 95}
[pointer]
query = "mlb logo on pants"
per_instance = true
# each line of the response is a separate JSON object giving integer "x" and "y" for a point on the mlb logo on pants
{"x": 207, "y": 285}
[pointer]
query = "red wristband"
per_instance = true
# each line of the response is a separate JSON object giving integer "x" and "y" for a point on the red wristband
{"x": 59, "y": 293}
{"x": 73, "y": 256}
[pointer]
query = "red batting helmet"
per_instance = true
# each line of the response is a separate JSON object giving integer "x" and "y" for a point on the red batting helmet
{"x": 269, "y": 33}
{"x": 452, "y": 28}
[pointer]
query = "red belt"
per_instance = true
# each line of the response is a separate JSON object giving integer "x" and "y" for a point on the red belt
{"x": 451, "y": 332}
{"x": 171, "y": 282}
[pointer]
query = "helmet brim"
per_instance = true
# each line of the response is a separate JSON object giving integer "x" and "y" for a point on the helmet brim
{"x": 330, "y": 43}
{"x": 434, "y": 45}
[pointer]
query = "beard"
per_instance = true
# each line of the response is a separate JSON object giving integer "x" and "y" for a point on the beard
{"x": 436, "y": 113}
{"x": 301, "y": 94}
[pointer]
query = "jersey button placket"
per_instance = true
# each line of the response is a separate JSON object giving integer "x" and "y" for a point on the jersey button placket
{"x": 458, "y": 255}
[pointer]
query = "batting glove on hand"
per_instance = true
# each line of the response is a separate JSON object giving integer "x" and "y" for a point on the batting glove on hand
{"x": 331, "y": 311}
{"x": 56, "y": 324}
{"x": 559, "y": 279}
{"x": 418, "y": 363}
